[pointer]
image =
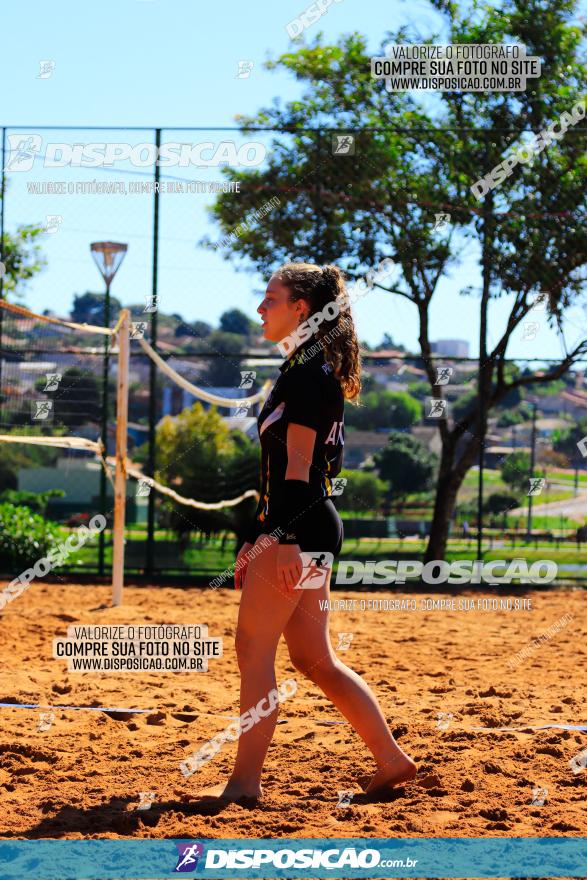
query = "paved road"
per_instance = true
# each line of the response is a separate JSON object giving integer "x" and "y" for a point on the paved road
{"x": 574, "y": 508}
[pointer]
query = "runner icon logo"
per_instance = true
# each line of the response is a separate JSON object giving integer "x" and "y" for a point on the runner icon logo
{"x": 539, "y": 795}
{"x": 345, "y": 798}
{"x": 189, "y": 853}
{"x": 579, "y": 762}
{"x": 338, "y": 485}
{"x": 316, "y": 567}
{"x": 444, "y": 719}
{"x": 344, "y": 641}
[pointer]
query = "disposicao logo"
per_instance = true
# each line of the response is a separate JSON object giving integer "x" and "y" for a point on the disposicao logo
{"x": 189, "y": 853}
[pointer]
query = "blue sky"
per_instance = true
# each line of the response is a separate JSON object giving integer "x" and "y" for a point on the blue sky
{"x": 174, "y": 63}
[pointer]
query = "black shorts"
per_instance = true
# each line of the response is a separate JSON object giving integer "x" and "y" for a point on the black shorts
{"x": 320, "y": 529}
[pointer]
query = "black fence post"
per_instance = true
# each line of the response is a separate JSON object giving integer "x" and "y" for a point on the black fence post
{"x": 151, "y": 463}
{"x": 319, "y": 218}
{"x": 482, "y": 410}
{"x": 532, "y": 466}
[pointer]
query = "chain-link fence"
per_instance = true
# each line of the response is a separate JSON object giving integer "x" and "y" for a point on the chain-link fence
{"x": 350, "y": 197}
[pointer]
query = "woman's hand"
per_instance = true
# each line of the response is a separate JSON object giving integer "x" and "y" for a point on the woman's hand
{"x": 241, "y": 564}
{"x": 289, "y": 565}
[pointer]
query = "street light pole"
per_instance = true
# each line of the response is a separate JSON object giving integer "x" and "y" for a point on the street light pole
{"x": 108, "y": 255}
{"x": 532, "y": 463}
{"x": 104, "y": 428}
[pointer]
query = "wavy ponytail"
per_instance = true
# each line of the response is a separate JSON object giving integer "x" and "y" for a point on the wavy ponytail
{"x": 318, "y": 286}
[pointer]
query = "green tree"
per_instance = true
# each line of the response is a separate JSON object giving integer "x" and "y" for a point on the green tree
{"x": 235, "y": 321}
{"x": 384, "y": 409}
{"x": 223, "y": 368}
{"x": 565, "y": 441}
{"x": 407, "y": 164}
{"x": 513, "y": 398}
{"x": 406, "y": 464}
{"x": 387, "y": 342}
{"x": 21, "y": 255}
{"x": 77, "y": 399}
{"x": 465, "y": 405}
{"x": 368, "y": 383}
{"x": 552, "y": 389}
{"x": 363, "y": 492}
{"x": 515, "y": 470}
{"x": 514, "y": 416}
{"x": 403, "y": 410}
{"x": 88, "y": 308}
{"x": 199, "y": 329}
{"x": 419, "y": 390}
{"x": 204, "y": 460}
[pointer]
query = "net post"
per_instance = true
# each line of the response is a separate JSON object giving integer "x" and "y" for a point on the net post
{"x": 121, "y": 449}
{"x": 2, "y": 203}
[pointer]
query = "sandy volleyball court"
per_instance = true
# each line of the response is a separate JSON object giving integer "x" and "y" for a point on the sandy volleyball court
{"x": 438, "y": 674}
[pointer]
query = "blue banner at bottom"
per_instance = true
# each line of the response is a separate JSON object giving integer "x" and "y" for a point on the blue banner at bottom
{"x": 298, "y": 857}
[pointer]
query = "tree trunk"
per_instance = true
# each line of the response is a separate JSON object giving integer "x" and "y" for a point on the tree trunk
{"x": 444, "y": 505}
{"x": 450, "y": 478}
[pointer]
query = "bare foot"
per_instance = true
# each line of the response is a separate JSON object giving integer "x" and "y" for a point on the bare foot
{"x": 400, "y": 769}
{"x": 229, "y": 791}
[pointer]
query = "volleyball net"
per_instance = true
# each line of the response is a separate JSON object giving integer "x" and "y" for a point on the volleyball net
{"x": 59, "y": 427}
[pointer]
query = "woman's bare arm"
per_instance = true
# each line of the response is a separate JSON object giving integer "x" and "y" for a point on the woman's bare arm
{"x": 300, "y": 450}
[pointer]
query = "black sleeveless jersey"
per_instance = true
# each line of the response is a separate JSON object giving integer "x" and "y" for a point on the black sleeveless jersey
{"x": 305, "y": 393}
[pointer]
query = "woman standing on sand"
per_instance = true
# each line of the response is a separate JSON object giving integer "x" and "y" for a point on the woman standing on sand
{"x": 301, "y": 428}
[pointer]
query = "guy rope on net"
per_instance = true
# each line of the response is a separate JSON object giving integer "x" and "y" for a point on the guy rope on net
{"x": 119, "y": 462}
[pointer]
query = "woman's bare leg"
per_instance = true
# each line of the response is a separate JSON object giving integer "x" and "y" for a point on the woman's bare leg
{"x": 312, "y": 654}
{"x": 264, "y": 611}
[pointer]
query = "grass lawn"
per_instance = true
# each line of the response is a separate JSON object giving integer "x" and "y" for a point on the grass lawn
{"x": 560, "y": 485}
{"x": 373, "y": 549}
{"x": 210, "y": 560}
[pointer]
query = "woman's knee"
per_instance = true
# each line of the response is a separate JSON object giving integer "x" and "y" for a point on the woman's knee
{"x": 313, "y": 666}
{"x": 251, "y": 650}
{"x": 244, "y": 646}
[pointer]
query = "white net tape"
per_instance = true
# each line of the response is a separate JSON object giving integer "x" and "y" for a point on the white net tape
{"x": 199, "y": 392}
{"x": 63, "y": 442}
{"x": 96, "y": 447}
{"x": 181, "y": 499}
{"x": 46, "y": 319}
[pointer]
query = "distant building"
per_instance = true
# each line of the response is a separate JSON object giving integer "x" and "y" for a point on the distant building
{"x": 247, "y": 425}
{"x": 394, "y": 376}
{"x": 495, "y": 455}
{"x": 80, "y": 480}
{"x": 429, "y": 436}
{"x": 176, "y": 399}
{"x": 450, "y": 347}
{"x": 570, "y": 403}
{"x": 360, "y": 445}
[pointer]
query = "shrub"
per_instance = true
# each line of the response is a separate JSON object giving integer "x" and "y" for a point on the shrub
{"x": 24, "y": 537}
{"x": 37, "y": 501}
{"x": 363, "y": 492}
{"x": 500, "y": 502}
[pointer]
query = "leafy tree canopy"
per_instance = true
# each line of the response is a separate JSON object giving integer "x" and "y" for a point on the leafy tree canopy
{"x": 406, "y": 464}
